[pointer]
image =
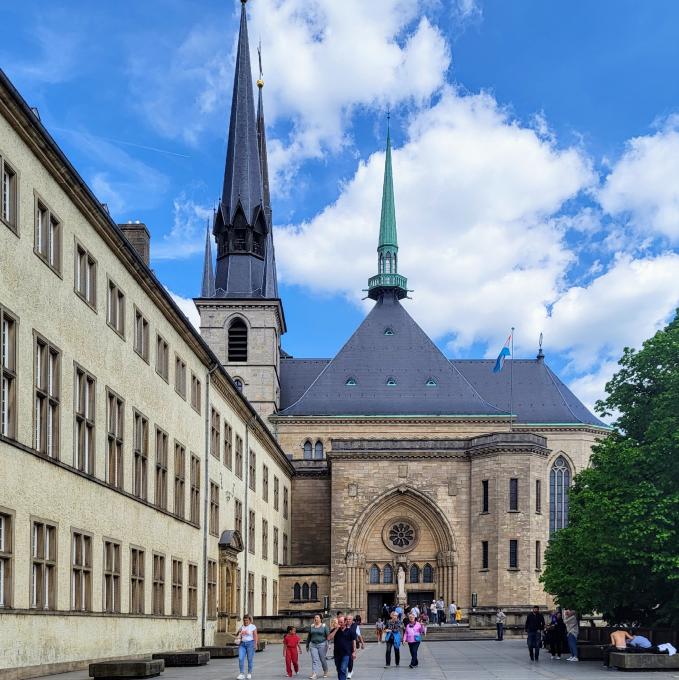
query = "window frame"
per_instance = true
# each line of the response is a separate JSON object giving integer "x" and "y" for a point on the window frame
{"x": 212, "y": 589}
{"x": 137, "y": 589}
{"x": 485, "y": 555}
{"x": 228, "y": 445}
{"x": 180, "y": 376}
{"x": 55, "y": 264}
{"x": 49, "y": 596}
{"x": 265, "y": 539}
{"x": 159, "y": 577}
{"x": 41, "y": 438}
{"x": 140, "y": 456}
{"x": 194, "y": 493}
{"x": 196, "y": 393}
{"x": 90, "y": 275}
{"x": 118, "y": 326}
{"x": 213, "y": 523}
{"x": 84, "y": 570}
{"x": 163, "y": 359}
{"x": 161, "y": 468}
{"x": 252, "y": 529}
{"x": 215, "y": 432}
{"x": 81, "y": 419}
{"x": 179, "y": 495}
{"x": 8, "y": 372}
{"x": 192, "y": 590}
{"x": 513, "y": 495}
{"x": 143, "y": 351}
{"x": 252, "y": 471}
{"x": 239, "y": 457}
{"x": 177, "y": 586}
{"x": 513, "y": 557}
{"x": 12, "y": 224}
{"x": 485, "y": 496}
{"x": 117, "y": 438}
{"x": 112, "y": 576}
{"x": 8, "y": 519}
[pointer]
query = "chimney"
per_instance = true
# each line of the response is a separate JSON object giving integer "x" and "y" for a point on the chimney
{"x": 139, "y": 238}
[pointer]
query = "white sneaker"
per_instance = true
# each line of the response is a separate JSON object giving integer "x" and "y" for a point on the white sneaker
{"x": 349, "y": 675}
{"x": 249, "y": 676}
{"x": 240, "y": 677}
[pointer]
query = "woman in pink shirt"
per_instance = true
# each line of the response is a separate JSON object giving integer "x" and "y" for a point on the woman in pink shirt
{"x": 413, "y": 636}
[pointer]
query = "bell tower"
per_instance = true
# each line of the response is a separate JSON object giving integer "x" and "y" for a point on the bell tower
{"x": 241, "y": 315}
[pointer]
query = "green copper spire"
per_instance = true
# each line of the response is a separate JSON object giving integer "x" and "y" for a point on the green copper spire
{"x": 388, "y": 278}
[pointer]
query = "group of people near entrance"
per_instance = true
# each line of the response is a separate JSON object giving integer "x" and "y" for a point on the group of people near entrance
{"x": 424, "y": 613}
{"x": 559, "y": 635}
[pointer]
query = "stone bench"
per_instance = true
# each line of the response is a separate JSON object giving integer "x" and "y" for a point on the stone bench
{"x": 640, "y": 662}
{"x": 126, "y": 669}
{"x": 183, "y": 658}
{"x": 590, "y": 652}
{"x": 221, "y": 652}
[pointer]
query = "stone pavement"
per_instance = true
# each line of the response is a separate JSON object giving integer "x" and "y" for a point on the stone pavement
{"x": 491, "y": 660}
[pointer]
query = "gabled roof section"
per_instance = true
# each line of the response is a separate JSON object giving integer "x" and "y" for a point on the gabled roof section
{"x": 539, "y": 396}
{"x": 242, "y": 175}
{"x": 371, "y": 358}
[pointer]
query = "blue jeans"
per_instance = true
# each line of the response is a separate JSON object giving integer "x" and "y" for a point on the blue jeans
{"x": 500, "y": 630}
{"x": 246, "y": 649}
{"x": 342, "y": 664}
{"x": 573, "y": 645}
{"x": 413, "y": 653}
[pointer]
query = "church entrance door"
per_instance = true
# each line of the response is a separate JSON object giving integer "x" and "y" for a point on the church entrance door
{"x": 420, "y": 597}
{"x": 375, "y": 603}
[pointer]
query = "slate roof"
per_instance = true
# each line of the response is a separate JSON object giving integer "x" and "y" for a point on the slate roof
{"x": 464, "y": 387}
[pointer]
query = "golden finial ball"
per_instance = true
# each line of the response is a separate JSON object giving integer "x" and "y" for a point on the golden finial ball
{"x": 260, "y": 83}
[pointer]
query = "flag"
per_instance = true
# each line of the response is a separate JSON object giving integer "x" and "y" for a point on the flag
{"x": 504, "y": 353}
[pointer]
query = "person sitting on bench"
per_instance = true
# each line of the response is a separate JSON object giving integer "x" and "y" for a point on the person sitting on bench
{"x": 619, "y": 640}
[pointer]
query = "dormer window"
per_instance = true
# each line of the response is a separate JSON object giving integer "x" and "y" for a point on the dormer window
{"x": 388, "y": 331}
{"x": 431, "y": 382}
{"x": 391, "y": 382}
{"x": 351, "y": 382}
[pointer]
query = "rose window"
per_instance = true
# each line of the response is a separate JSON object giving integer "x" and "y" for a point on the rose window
{"x": 401, "y": 534}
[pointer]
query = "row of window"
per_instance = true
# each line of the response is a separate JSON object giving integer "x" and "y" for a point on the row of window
{"x": 314, "y": 451}
{"x": 390, "y": 382}
{"x": 235, "y": 462}
{"x": 174, "y": 574}
{"x": 513, "y": 554}
{"x": 305, "y": 592}
{"x": 415, "y": 574}
{"x": 559, "y": 483}
{"x": 47, "y": 419}
{"x": 252, "y": 530}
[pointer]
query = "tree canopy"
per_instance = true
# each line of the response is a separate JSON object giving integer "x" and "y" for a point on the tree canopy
{"x": 619, "y": 554}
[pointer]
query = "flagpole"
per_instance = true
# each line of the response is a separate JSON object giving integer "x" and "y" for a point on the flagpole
{"x": 511, "y": 384}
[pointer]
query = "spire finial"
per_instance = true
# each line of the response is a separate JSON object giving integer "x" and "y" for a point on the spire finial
{"x": 541, "y": 354}
{"x": 208, "y": 285}
{"x": 260, "y": 80}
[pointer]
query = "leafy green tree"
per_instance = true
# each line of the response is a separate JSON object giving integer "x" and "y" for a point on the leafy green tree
{"x": 619, "y": 555}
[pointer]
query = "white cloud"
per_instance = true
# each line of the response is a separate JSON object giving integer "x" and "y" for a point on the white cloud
{"x": 475, "y": 192}
{"x": 188, "y": 307}
{"x": 591, "y": 387}
{"x": 620, "y": 308}
{"x": 187, "y": 236}
{"x": 644, "y": 183}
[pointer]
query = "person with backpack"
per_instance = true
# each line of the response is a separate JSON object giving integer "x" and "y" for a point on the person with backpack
{"x": 393, "y": 635}
{"x": 413, "y": 634}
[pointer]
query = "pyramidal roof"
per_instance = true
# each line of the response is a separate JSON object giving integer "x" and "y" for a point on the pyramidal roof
{"x": 390, "y": 367}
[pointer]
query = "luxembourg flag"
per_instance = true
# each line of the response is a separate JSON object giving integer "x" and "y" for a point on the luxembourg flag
{"x": 504, "y": 353}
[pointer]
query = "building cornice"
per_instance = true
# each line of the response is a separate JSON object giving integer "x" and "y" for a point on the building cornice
{"x": 27, "y": 125}
{"x": 245, "y": 303}
{"x": 357, "y": 419}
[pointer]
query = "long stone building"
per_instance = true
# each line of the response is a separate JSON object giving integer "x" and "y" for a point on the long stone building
{"x": 163, "y": 481}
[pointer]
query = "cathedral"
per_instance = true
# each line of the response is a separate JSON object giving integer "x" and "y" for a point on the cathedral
{"x": 405, "y": 461}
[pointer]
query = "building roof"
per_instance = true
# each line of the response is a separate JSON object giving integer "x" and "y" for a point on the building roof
{"x": 389, "y": 344}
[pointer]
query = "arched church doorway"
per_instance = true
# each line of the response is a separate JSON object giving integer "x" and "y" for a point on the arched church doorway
{"x": 401, "y": 549}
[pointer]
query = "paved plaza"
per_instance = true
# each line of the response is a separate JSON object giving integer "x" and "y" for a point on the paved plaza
{"x": 489, "y": 660}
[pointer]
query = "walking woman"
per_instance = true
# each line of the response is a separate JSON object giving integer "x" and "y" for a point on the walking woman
{"x": 393, "y": 630}
{"x": 413, "y": 636}
{"x": 248, "y": 640}
{"x": 317, "y": 646}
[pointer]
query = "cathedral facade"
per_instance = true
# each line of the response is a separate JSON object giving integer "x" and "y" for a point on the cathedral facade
{"x": 404, "y": 460}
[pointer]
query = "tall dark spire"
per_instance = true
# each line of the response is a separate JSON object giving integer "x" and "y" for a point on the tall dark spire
{"x": 208, "y": 288}
{"x": 270, "y": 277}
{"x": 243, "y": 222}
{"x": 387, "y": 278}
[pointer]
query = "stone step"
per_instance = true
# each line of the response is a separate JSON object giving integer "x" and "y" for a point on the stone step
{"x": 113, "y": 670}
{"x": 180, "y": 659}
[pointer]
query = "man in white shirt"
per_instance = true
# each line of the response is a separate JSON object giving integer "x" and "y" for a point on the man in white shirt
{"x": 452, "y": 610}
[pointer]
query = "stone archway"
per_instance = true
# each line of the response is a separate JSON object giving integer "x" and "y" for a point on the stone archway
{"x": 230, "y": 544}
{"x": 400, "y": 528}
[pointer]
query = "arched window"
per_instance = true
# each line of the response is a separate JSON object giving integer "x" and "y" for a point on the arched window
{"x": 381, "y": 267}
{"x": 391, "y": 381}
{"x": 296, "y": 592}
{"x": 351, "y": 382}
{"x": 307, "y": 450}
{"x": 374, "y": 574}
{"x": 388, "y": 331}
{"x": 388, "y": 263}
{"x": 388, "y": 574}
{"x": 395, "y": 268}
{"x": 414, "y": 574}
{"x": 238, "y": 383}
{"x": 431, "y": 382}
{"x": 314, "y": 591}
{"x": 318, "y": 450}
{"x": 427, "y": 574}
{"x": 305, "y": 591}
{"x": 238, "y": 340}
{"x": 559, "y": 483}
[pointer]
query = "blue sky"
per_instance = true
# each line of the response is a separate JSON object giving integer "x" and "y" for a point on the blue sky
{"x": 536, "y": 154}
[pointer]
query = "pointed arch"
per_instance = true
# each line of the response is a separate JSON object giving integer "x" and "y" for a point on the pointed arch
{"x": 307, "y": 450}
{"x": 237, "y": 340}
{"x": 560, "y": 475}
{"x": 305, "y": 591}
{"x": 296, "y": 592}
{"x": 318, "y": 450}
{"x": 388, "y": 261}
{"x": 388, "y": 574}
{"x": 313, "y": 591}
{"x": 428, "y": 573}
{"x": 374, "y": 574}
{"x": 403, "y": 498}
{"x": 414, "y": 576}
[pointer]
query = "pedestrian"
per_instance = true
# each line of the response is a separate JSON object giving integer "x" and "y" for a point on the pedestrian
{"x": 291, "y": 650}
{"x": 500, "y": 620}
{"x": 247, "y": 640}
{"x": 355, "y": 625}
{"x": 333, "y": 624}
{"x": 535, "y": 624}
{"x": 440, "y": 610}
{"x": 452, "y": 610}
{"x": 458, "y": 616}
{"x": 344, "y": 641}
{"x": 556, "y": 636}
{"x": 385, "y": 612}
{"x": 416, "y": 611}
{"x": 317, "y": 646}
{"x": 413, "y": 634}
{"x": 399, "y": 611}
{"x": 433, "y": 616}
{"x": 379, "y": 630}
{"x": 572, "y": 630}
{"x": 392, "y": 634}
{"x": 424, "y": 617}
